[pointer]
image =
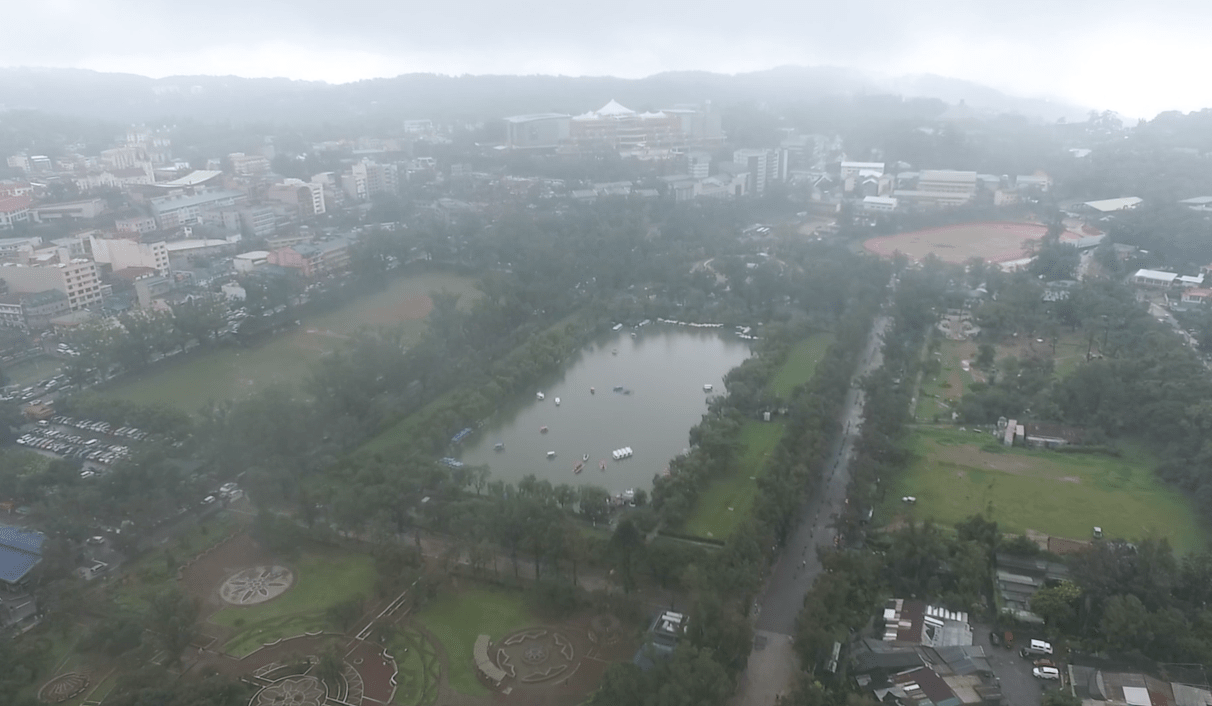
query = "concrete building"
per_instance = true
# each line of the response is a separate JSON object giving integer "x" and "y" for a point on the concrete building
{"x": 763, "y": 166}
{"x": 879, "y": 204}
{"x": 248, "y": 164}
{"x": 135, "y": 224}
{"x": 249, "y": 261}
{"x": 366, "y": 179}
{"x": 306, "y": 197}
{"x": 698, "y": 164}
{"x": 151, "y": 287}
{"x": 174, "y": 211}
{"x": 20, "y": 552}
{"x": 852, "y": 169}
{"x": 12, "y": 248}
{"x": 1113, "y": 205}
{"x": 75, "y": 210}
{"x": 536, "y": 131}
{"x": 313, "y": 260}
{"x": 250, "y": 221}
{"x": 32, "y": 311}
{"x": 14, "y": 210}
{"x": 947, "y": 181}
{"x": 1153, "y": 278}
{"x": 77, "y": 279}
{"x": 121, "y": 253}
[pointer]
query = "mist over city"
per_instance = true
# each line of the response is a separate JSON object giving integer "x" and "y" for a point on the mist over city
{"x": 630, "y": 355}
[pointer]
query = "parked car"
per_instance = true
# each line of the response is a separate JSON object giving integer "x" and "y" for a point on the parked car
{"x": 1036, "y": 648}
{"x": 1049, "y": 673}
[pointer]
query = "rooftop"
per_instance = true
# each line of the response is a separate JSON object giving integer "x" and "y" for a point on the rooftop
{"x": 20, "y": 550}
{"x": 535, "y": 116}
{"x": 1112, "y": 205}
{"x": 192, "y": 179}
{"x": 161, "y": 203}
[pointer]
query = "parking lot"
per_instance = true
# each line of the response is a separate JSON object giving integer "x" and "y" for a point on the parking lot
{"x": 1019, "y": 686}
{"x": 84, "y": 439}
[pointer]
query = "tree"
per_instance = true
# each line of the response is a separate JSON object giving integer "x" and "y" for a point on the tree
{"x": 1056, "y": 604}
{"x": 625, "y": 542}
{"x": 1126, "y": 625}
{"x": 985, "y": 356}
{"x": 172, "y": 617}
{"x": 329, "y": 668}
{"x": 1060, "y": 697}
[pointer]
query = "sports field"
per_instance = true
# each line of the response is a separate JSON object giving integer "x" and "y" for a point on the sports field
{"x": 800, "y": 363}
{"x": 957, "y": 474}
{"x": 726, "y": 501}
{"x": 992, "y": 241}
{"x": 235, "y": 373}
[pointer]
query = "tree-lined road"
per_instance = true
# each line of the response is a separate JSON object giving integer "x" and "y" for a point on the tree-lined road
{"x": 772, "y": 664}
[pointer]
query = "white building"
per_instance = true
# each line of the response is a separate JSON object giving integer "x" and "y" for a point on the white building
{"x": 77, "y": 279}
{"x": 1113, "y": 205}
{"x": 1154, "y": 278}
{"x": 763, "y": 166}
{"x": 121, "y": 253}
{"x": 174, "y": 211}
{"x": 249, "y": 261}
{"x": 850, "y": 169}
{"x": 947, "y": 181}
{"x": 879, "y": 204}
{"x": 14, "y": 209}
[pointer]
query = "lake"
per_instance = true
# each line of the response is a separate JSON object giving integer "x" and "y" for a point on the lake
{"x": 664, "y": 369}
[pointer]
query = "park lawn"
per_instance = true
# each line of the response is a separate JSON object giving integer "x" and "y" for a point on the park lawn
{"x": 419, "y": 669}
{"x": 152, "y": 570}
{"x": 940, "y": 394}
{"x": 457, "y": 619}
{"x": 956, "y": 474}
{"x": 800, "y": 364}
{"x": 231, "y": 373}
{"x": 322, "y": 580}
{"x": 727, "y": 500}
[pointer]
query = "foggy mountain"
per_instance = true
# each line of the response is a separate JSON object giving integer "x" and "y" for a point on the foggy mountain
{"x": 131, "y": 98}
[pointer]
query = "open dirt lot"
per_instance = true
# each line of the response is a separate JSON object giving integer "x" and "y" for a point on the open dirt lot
{"x": 992, "y": 241}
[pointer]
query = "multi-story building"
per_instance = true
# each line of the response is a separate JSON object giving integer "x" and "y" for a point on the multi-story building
{"x": 537, "y": 131}
{"x": 123, "y": 157}
{"x": 698, "y": 164}
{"x": 306, "y": 197}
{"x": 248, "y": 164}
{"x": 764, "y": 167}
{"x": 947, "y": 181}
{"x": 75, "y": 210}
{"x": 77, "y": 279}
{"x": 313, "y": 260}
{"x": 13, "y": 187}
{"x": 14, "y": 210}
{"x": 32, "y": 311}
{"x": 250, "y": 221}
{"x": 135, "y": 224}
{"x": 11, "y": 248}
{"x": 121, "y": 253}
{"x": 366, "y": 178}
{"x": 174, "y": 211}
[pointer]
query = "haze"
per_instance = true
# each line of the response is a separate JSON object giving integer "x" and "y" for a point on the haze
{"x": 1134, "y": 58}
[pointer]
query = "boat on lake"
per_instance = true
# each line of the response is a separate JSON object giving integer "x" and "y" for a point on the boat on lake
{"x": 602, "y": 465}
{"x": 542, "y": 430}
{"x": 499, "y": 446}
{"x": 585, "y": 457}
{"x": 618, "y": 388}
{"x": 550, "y": 455}
{"x": 540, "y": 396}
{"x": 614, "y": 351}
{"x": 592, "y": 391}
{"x": 578, "y": 468}
{"x": 557, "y": 401}
{"x": 707, "y": 388}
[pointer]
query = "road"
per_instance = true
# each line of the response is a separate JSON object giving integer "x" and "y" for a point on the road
{"x": 772, "y": 665}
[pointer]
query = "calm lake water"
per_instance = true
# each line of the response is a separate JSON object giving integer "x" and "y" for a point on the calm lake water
{"x": 665, "y": 370}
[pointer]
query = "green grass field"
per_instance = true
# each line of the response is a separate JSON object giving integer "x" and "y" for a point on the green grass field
{"x": 417, "y": 662}
{"x": 457, "y": 619}
{"x": 233, "y": 373}
{"x": 1065, "y": 495}
{"x": 800, "y": 363}
{"x": 322, "y": 580}
{"x": 726, "y": 501}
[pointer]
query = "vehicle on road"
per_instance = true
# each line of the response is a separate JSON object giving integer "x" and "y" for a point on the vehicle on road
{"x": 1036, "y": 648}
{"x": 1049, "y": 673}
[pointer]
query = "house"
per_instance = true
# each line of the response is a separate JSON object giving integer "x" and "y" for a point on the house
{"x": 910, "y": 622}
{"x": 14, "y": 209}
{"x": 1051, "y": 436}
{"x": 313, "y": 259}
{"x": 1095, "y": 686}
{"x": 879, "y": 204}
{"x": 1196, "y": 296}
{"x": 1018, "y": 578}
{"x": 1153, "y": 278}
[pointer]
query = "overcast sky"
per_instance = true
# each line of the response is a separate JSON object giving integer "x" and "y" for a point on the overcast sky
{"x": 1135, "y": 57}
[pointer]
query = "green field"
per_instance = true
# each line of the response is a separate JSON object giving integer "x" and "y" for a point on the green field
{"x": 957, "y": 474}
{"x": 322, "y": 580}
{"x": 235, "y": 373}
{"x": 726, "y": 501}
{"x": 419, "y": 670}
{"x": 457, "y": 619}
{"x": 800, "y": 363}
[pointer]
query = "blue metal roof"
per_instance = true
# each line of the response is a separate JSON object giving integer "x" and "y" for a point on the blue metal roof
{"x": 19, "y": 552}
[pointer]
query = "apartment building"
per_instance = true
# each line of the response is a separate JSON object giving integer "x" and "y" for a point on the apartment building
{"x": 14, "y": 210}
{"x": 306, "y": 197}
{"x": 135, "y": 224}
{"x": 175, "y": 211}
{"x": 77, "y": 279}
{"x": 248, "y": 164}
{"x": 366, "y": 178}
{"x": 313, "y": 259}
{"x": 32, "y": 311}
{"x": 121, "y": 253}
